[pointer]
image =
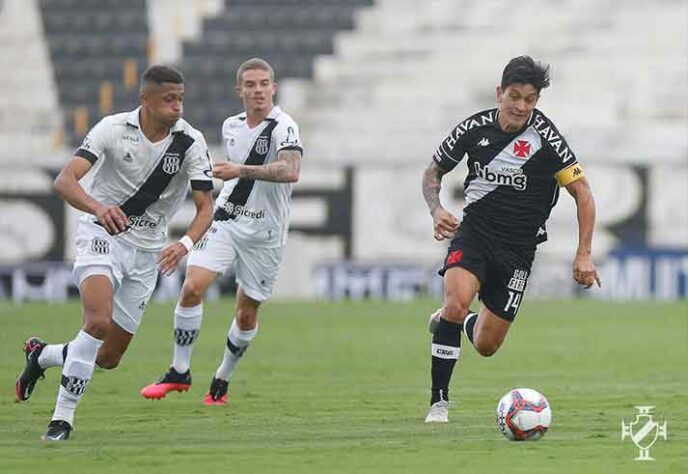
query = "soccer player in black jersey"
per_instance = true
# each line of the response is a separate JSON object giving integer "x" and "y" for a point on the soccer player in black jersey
{"x": 517, "y": 160}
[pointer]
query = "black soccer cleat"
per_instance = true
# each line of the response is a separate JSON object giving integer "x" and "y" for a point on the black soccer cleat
{"x": 217, "y": 393}
{"x": 32, "y": 370}
{"x": 58, "y": 430}
{"x": 171, "y": 381}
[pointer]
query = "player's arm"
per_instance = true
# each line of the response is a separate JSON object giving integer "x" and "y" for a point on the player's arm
{"x": 285, "y": 169}
{"x": 67, "y": 186}
{"x": 445, "y": 223}
{"x": 171, "y": 255}
{"x": 584, "y": 271}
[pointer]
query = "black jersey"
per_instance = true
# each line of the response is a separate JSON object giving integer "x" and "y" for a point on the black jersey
{"x": 513, "y": 178}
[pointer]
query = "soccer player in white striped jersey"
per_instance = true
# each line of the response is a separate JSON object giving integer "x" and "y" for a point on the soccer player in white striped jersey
{"x": 249, "y": 229}
{"x": 145, "y": 160}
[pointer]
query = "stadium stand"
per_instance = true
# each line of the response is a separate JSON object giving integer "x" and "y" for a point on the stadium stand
{"x": 290, "y": 34}
{"x": 30, "y": 116}
{"x": 98, "y": 49}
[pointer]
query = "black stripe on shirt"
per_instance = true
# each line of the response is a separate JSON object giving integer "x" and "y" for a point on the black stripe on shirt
{"x": 166, "y": 169}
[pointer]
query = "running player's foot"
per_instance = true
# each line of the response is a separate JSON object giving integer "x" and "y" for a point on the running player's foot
{"x": 58, "y": 430}
{"x": 439, "y": 412}
{"x": 217, "y": 393}
{"x": 433, "y": 320}
{"x": 171, "y": 381}
{"x": 32, "y": 370}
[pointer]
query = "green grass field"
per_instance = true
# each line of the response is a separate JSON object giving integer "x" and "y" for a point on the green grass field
{"x": 343, "y": 388}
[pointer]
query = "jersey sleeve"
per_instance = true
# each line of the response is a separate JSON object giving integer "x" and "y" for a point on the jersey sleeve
{"x": 200, "y": 167}
{"x": 286, "y": 136}
{"x": 95, "y": 144}
{"x": 452, "y": 149}
{"x": 565, "y": 166}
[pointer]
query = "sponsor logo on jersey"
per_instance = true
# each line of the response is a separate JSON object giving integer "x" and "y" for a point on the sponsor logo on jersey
{"x": 128, "y": 158}
{"x": 518, "y": 180}
{"x": 141, "y": 222}
{"x": 240, "y": 210}
{"x": 556, "y": 141}
{"x": 484, "y": 142}
{"x": 467, "y": 125}
{"x": 522, "y": 148}
{"x": 290, "y": 139}
{"x": 130, "y": 138}
{"x": 171, "y": 163}
{"x": 262, "y": 145}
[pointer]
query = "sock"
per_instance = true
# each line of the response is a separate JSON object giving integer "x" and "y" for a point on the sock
{"x": 187, "y": 324}
{"x": 446, "y": 347}
{"x": 77, "y": 371}
{"x": 52, "y": 355}
{"x": 469, "y": 325}
{"x": 237, "y": 343}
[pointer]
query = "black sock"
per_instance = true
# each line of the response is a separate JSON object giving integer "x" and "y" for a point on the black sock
{"x": 446, "y": 345}
{"x": 469, "y": 325}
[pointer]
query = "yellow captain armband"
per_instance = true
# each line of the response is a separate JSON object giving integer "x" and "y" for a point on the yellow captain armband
{"x": 569, "y": 175}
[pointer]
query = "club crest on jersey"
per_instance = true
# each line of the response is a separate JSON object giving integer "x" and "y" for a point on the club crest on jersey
{"x": 100, "y": 246}
{"x": 262, "y": 145}
{"x": 171, "y": 163}
{"x": 522, "y": 148}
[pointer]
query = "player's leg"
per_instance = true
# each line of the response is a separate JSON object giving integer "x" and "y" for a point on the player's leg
{"x": 97, "y": 292}
{"x": 188, "y": 317}
{"x": 460, "y": 288}
{"x": 501, "y": 297}
{"x": 211, "y": 256}
{"x": 256, "y": 270}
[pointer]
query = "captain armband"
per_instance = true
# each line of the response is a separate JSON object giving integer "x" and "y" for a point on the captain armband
{"x": 569, "y": 175}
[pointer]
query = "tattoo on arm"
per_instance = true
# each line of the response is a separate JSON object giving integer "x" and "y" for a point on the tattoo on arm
{"x": 432, "y": 182}
{"x": 284, "y": 170}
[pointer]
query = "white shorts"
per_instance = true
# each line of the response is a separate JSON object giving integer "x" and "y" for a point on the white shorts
{"x": 133, "y": 272}
{"x": 255, "y": 266}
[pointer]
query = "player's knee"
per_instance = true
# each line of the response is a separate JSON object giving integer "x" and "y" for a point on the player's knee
{"x": 97, "y": 326}
{"x": 486, "y": 348}
{"x": 455, "y": 312}
{"x": 108, "y": 361}
{"x": 192, "y": 293}
{"x": 246, "y": 318}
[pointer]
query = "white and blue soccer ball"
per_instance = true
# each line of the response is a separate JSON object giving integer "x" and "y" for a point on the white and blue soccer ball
{"x": 523, "y": 414}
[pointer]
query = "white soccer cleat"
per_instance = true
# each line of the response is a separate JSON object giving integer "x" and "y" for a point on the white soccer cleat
{"x": 433, "y": 320}
{"x": 439, "y": 412}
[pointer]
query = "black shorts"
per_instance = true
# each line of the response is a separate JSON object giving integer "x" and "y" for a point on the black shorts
{"x": 503, "y": 270}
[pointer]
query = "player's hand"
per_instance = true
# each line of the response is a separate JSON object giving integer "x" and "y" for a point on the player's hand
{"x": 113, "y": 219}
{"x": 584, "y": 271}
{"x": 170, "y": 257}
{"x": 226, "y": 170}
{"x": 445, "y": 224}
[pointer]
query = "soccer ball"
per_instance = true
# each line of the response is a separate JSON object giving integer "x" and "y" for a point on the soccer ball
{"x": 523, "y": 414}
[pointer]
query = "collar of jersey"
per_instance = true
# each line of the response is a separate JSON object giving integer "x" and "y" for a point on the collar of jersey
{"x": 133, "y": 120}
{"x": 272, "y": 115}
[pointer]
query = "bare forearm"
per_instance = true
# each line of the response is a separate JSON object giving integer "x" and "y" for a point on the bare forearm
{"x": 203, "y": 218}
{"x": 586, "y": 221}
{"x": 69, "y": 189}
{"x": 432, "y": 183}
{"x": 279, "y": 172}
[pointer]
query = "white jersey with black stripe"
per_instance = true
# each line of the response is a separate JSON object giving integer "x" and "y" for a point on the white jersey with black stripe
{"x": 149, "y": 181}
{"x": 256, "y": 210}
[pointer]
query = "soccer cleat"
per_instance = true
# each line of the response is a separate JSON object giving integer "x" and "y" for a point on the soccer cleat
{"x": 217, "y": 393}
{"x": 58, "y": 430}
{"x": 32, "y": 370}
{"x": 433, "y": 320}
{"x": 439, "y": 412}
{"x": 171, "y": 381}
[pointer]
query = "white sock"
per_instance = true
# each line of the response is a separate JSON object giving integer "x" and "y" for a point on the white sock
{"x": 77, "y": 371}
{"x": 237, "y": 343}
{"x": 52, "y": 356}
{"x": 187, "y": 324}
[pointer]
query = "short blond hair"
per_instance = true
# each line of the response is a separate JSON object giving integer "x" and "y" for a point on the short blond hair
{"x": 255, "y": 63}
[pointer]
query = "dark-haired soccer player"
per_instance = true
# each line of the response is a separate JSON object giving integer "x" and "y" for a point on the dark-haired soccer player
{"x": 517, "y": 160}
{"x": 147, "y": 159}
